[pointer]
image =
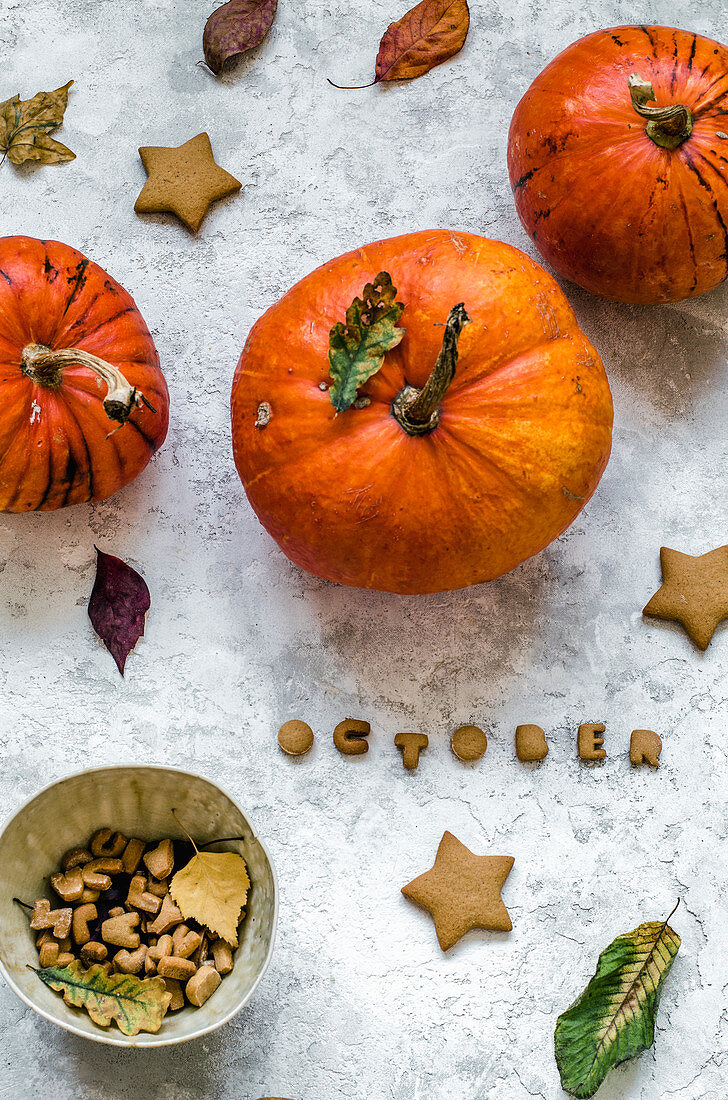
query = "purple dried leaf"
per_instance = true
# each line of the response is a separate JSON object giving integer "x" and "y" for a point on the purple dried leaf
{"x": 234, "y": 28}
{"x": 119, "y": 601}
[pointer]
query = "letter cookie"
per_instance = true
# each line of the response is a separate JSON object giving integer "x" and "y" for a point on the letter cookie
{"x": 350, "y": 736}
{"x": 469, "y": 743}
{"x": 411, "y": 745}
{"x": 531, "y": 744}
{"x": 645, "y": 747}
{"x": 589, "y": 742}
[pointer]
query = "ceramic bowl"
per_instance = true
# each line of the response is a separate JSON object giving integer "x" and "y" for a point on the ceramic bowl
{"x": 137, "y": 801}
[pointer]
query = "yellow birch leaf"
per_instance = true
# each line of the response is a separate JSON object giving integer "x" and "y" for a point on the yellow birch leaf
{"x": 212, "y": 889}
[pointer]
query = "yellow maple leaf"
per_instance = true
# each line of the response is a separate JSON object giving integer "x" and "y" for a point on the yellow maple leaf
{"x": 212, "y": 889}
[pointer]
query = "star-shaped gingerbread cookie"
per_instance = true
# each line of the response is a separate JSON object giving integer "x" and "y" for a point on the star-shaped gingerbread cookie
{"x": 462, "y": 891}
{"x": 694, "y": 592}
{"x": 184, "y": 181}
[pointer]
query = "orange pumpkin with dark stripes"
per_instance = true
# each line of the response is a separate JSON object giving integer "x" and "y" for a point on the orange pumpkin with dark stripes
{"x": 618, "y": 160}
{"x": 83, "y": 403}
{"x": 446, "y": 471}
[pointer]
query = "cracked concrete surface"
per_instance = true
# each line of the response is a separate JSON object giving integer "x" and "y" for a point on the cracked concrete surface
{"x": 359, "y": 1001}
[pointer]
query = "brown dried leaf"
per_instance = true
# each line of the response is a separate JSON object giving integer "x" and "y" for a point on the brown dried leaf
{"x": 234, "y": 28}
{"x": 427, "y": 35}
{"x": 25, "y": 125}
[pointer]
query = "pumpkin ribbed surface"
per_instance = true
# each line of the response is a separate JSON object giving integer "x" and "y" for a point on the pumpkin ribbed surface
{"x": 57, "y": 443}
{"x": 607, "y": 205}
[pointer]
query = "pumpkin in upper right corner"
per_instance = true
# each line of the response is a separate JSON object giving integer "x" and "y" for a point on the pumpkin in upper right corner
{"x": 618, "y": 161}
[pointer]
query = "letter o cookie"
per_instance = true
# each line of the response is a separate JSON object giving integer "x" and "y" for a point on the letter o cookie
{"x": 295, "y": 737}
{"x": 469, "y": 743}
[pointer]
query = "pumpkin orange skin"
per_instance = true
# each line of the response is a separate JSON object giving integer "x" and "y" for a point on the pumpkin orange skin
{"x": 606, "y": 206}
{"x": 523, "y": 438}
{"x": 55, "y": 443}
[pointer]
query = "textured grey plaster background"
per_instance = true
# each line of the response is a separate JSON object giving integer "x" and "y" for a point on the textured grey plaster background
{"x": 359, "y": 1001}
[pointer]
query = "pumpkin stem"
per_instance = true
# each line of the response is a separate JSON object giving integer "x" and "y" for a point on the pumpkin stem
{"x": 44, "y": 366}
{"x": 418, "y": 411}
{"x": 667, "y": 126}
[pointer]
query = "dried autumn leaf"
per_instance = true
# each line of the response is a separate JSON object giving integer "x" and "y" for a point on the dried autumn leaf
{"x": 137, "y": 1004}
{"x": 212, "y": 889}
{"x": 430, "y": 33}
{"x": 237, "y": 26}
{"x": 26, "y": 123}
{"x": 357, "y": 348}
{"x": 613, "y": 1019}
{"x": 119, "y": 601}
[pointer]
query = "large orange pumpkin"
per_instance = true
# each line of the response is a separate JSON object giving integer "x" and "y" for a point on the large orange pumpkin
{"x": 83, "y": 403}
{"x": 495, "y": 464}
{"x": 618, "y": 160}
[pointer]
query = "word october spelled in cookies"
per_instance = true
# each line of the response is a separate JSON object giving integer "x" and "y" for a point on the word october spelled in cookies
{"x": 469, "y": 743}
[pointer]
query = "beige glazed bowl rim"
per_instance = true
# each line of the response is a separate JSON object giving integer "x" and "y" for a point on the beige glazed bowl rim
{"x": 117, "y": 1038}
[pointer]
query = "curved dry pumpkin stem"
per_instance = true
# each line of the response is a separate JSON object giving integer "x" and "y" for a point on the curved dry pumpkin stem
{"x": 418, "y": 411}
{"x": 45, "y": 367}
{"x": 667, "y": 126}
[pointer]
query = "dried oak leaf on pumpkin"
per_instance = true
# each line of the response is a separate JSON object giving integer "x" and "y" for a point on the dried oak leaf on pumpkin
{"x": 430, "y": 33}
{"x": 119, "y": 602}
{"x": 237, "y": 26}
{"x": 136, "y": 1004}
{"x": 25, "y": 125}
{"x": 357, "y": 348}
